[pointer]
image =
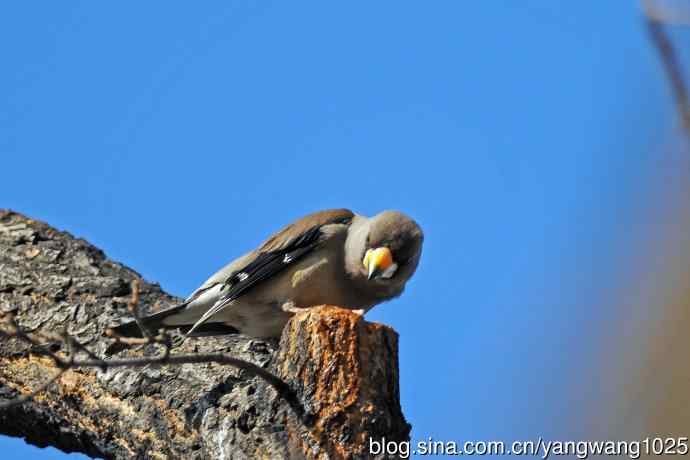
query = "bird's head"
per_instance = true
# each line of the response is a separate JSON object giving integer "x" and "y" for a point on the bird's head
{"x": 390, "y": 245}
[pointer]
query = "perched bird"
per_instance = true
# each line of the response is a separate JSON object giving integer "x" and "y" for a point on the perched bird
{"x": 329, "y": 257}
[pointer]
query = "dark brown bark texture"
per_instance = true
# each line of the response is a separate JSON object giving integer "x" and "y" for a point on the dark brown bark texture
{"x": 343, "y": 369}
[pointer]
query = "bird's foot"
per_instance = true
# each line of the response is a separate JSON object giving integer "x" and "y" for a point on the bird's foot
{"x": 258, "y": 346}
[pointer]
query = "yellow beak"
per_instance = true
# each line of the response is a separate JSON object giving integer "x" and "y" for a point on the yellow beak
{"x": 378, "y": 261}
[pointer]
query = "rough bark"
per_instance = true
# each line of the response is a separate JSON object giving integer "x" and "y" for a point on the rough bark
{"x": 343, "y": 369}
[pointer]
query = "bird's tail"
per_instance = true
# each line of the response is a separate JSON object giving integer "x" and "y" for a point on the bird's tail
{"x": 152, "y": 323}
{"x": 156, "y": 322}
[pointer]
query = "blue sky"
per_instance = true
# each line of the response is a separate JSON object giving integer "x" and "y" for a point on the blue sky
{"x": 521, "y": 136}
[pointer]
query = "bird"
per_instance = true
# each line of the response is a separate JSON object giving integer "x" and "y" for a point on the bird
{"x": 333, "y": 257}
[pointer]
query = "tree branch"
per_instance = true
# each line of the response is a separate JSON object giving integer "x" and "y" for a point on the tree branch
{"x": 329, "y": 385}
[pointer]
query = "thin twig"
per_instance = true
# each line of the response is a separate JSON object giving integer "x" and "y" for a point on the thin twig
{"x": 282, "y": 388}
{"x": 132, "y": 341}
{"x": 74, "y": 347}
{"x": 133, "y": 307}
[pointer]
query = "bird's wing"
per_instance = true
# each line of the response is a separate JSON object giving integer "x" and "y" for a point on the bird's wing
{"x": 275, "y": 254}
{"x": 219, "y": 277}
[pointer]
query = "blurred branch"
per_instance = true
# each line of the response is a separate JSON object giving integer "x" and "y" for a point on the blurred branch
{"x": 656, "y": 17}
{"x": 675, "y": 13}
